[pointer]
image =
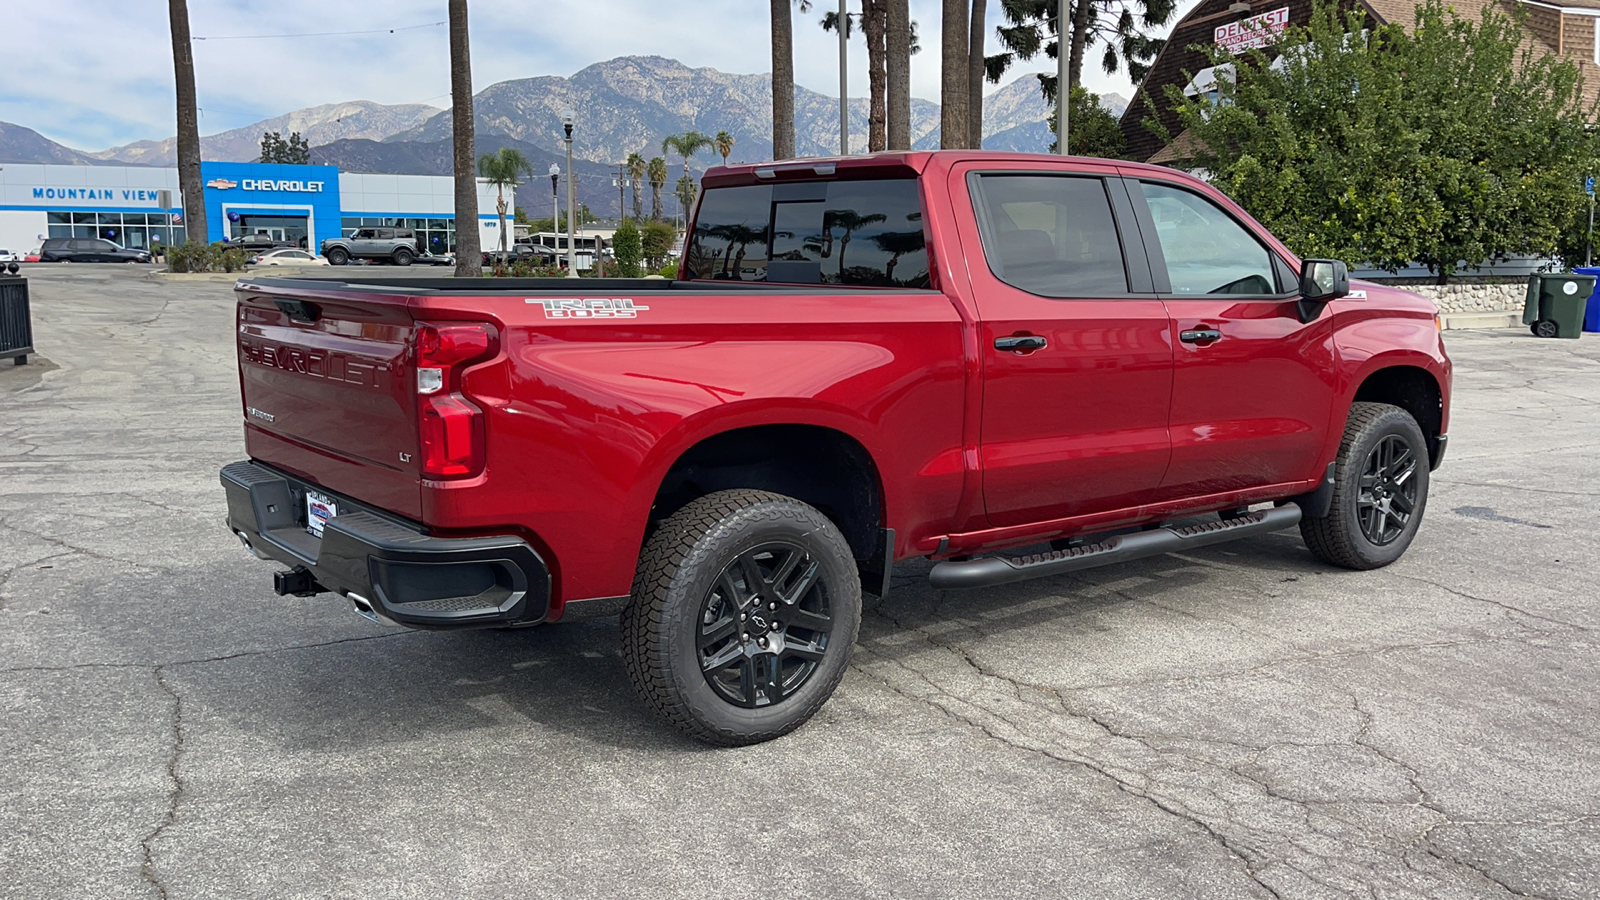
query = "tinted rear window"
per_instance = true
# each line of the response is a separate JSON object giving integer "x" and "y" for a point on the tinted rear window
{"x": 866, "y": 233}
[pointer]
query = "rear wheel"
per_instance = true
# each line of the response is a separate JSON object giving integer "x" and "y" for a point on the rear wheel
{"x": 402, "y": 257}
{"x": 1380, "y": 490}
{"x": 745, "y": 607}
{"x": 337, "y": 256}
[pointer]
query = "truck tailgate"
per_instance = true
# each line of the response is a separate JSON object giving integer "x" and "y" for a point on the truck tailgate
{"x": 329, "y": 391}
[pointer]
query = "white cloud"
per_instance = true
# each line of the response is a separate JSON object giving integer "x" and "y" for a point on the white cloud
{"x": 96, "y": 73}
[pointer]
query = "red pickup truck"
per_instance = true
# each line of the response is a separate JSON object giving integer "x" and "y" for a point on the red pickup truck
{"x": 863, "y": 360}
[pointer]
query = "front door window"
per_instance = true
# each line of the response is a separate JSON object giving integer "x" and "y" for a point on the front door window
{"x": 1206, "y": 251}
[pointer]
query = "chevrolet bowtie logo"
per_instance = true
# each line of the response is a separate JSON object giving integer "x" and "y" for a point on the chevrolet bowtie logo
{"x": 221, "y": 184}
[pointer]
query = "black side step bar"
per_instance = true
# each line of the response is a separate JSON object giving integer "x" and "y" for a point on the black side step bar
{"x": 993, "y": 570}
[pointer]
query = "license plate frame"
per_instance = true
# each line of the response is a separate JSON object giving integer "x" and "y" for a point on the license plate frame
{"x": 319, "y": 509}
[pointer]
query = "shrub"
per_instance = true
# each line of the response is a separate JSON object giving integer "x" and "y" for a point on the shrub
{"x": 670, "y": 270}
{"x": 629, "y": 249}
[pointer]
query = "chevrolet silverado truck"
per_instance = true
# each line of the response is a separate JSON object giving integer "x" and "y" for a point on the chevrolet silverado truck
{"x": 1013, "y": 365}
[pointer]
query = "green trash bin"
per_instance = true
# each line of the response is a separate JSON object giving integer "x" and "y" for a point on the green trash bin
{"x": 1555, "y": 303}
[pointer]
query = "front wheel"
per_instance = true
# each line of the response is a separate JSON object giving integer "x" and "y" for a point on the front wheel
{"x": 745, "y": 607}
{"x": 1380, "y": 490}
{"x": 337, "y": 257}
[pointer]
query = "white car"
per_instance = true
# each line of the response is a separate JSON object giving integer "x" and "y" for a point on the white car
{"x": 286, "y": 256}
{"x": 7, "y": 256}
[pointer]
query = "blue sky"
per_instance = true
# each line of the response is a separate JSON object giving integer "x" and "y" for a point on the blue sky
{"x": 98, "y": 73}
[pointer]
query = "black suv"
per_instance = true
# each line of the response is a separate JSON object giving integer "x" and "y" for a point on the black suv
{"x": 89, "y": 250}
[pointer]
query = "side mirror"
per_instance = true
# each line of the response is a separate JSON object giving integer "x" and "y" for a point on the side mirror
{"x": 1321, "y": 281}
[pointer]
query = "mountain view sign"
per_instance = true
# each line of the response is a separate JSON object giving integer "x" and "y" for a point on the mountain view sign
{"x": 1252, "y": 33}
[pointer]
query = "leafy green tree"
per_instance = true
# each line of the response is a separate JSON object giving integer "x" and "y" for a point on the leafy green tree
{"x": 1450, "y": 144}
{"x": 656, "y": 239}
{"x": 503, "y": 169}
{"x": 629, "y": 249}
{"x": 1094, "y": 130}
{"x": 295, "y": 151}
{"x": 1120, "y": 27}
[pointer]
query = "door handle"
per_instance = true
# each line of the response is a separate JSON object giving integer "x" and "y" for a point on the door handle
{"x": 1019, "y": 343}
{"x": 1200, "y": 336}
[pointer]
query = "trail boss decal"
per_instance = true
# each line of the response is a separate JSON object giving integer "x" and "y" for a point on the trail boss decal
{"x": 589, "y": 307}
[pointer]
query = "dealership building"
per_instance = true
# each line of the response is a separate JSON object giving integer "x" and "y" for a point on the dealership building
{"x": 141, "y": 207}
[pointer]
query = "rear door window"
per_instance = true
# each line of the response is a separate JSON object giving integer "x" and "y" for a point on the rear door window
{"x": 860, "y": 233}
{"x": 1052, "y": 235}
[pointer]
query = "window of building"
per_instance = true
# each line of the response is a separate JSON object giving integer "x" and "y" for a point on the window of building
{"x": 1206, "y": 251}
{"x": 866, "y": 233}
{"x": 1052, "y": 235}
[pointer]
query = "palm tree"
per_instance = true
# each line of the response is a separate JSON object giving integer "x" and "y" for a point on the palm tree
{"x": 782, "y": 81}
{"x": 686, "y": 145}
{"x": 874, "y": 26}
{"x": 656, "y": 169}
{"x": 189, "y": 180}
{"x": 502, "y": 170}
{"x": 897, "y": 53}
{"x": 975, "y": 76}
{"x": 685, "y": 194}
{"x": 848, "y": 221}
{"x": 469, "y": 263}
{"x": 723, "y": 144}
{"x": 953, "y": 71}
{"x": 898, "y": 244}
{"x": 636, "y": 167}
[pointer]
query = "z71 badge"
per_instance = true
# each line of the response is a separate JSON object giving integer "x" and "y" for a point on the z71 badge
{"x": 589, "y": 307}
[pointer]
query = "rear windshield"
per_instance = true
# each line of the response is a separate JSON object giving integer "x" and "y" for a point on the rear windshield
{"x": 866, "y": 233}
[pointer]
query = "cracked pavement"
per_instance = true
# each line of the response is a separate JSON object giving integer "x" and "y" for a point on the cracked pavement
{"x": 1239, "y": 722}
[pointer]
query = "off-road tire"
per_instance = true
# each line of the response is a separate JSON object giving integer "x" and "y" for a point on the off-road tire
{"x": 402, "y": 257}
{"x": 338, "y": 257}
{"x": 677, "y": 570}
{"x": 1338, "y": 538}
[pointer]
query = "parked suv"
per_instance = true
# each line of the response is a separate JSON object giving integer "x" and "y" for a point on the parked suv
{"x": 539, "y": 256}
{"x": 396, "y": 245}
{"x": 89, "y": 250}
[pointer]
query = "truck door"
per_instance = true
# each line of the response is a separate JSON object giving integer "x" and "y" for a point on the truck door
{"x": 1252, "y": 386}
{"x": 1077, "y": 354}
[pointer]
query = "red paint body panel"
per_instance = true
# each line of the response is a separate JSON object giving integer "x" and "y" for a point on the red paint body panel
{"x": 1116, "y": 422}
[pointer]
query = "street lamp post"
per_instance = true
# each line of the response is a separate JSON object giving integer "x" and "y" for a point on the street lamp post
{"x": 567, "y": 118}
{"x": 555, "y": 199}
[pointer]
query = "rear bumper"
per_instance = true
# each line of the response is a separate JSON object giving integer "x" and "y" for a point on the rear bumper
{"x": 389, "y": 566}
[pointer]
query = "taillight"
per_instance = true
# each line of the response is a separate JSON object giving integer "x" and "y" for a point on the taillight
{"x": 451, "y": 424}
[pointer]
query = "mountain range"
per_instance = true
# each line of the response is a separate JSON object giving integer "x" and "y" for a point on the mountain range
{"x": 622, "y": 106}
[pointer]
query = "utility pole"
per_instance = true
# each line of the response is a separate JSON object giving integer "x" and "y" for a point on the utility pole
{"x": 1588, "y": 253}
{"x": 844, "y": 80}
{"x": 567, "y": 118}
{"x": 1063, "y": 90}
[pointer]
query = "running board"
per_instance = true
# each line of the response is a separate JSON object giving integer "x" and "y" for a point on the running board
{"x": 993, "y": 570}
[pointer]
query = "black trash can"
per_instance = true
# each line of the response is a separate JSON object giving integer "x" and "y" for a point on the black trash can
{"x": 1555, "y": 303}
{"x": 16, "y": 323}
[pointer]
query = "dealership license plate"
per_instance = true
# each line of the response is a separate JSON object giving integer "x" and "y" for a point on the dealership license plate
{"x": 319, "y": 509}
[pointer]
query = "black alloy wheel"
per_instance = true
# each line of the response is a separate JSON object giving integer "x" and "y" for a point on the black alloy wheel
{"x": 764, "y": 625}
{"x": 1388, "y": 491}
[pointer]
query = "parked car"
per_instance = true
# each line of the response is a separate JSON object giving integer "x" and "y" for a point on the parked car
{"x": 89, "y": 250}
{"x": 286, "y": 256}
{"x": 1106, "y": 360}
{"x": 32, "y": 256}
{"x": 532, "y": 253}
{"x": 7, "y": 256}
{"x": 437, "y": 259}
{"x": 256, "y": 244}
{"x": 396, "y": 245}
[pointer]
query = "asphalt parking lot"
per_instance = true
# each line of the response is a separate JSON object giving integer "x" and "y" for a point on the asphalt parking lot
{"x": 1240, "y": 723}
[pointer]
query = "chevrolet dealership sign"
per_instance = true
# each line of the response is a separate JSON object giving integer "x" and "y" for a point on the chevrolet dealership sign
{"x": 267, "y": 184}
